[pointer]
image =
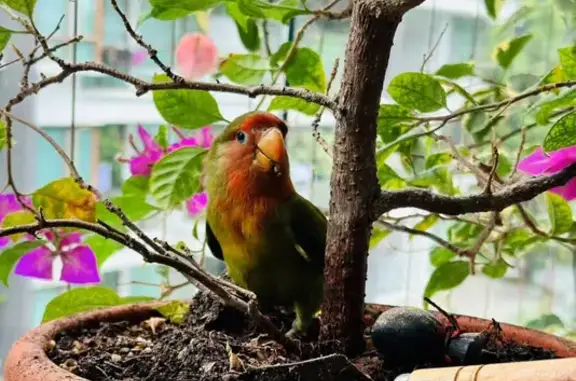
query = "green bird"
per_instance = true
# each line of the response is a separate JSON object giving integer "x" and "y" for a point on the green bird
{"x": 270, "y": 237}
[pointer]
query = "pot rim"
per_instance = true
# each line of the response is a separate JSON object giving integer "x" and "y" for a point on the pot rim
{"x": 27, "y": 359}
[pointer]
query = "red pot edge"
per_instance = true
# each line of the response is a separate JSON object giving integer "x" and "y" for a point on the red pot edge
{"x": 564, "y": 348}
{"x": 27, "y": 360}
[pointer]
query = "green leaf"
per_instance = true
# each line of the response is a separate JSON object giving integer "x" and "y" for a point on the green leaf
{"x": 437, "y": 159}
{"x": 493, "y": 7}
{"x": 162, "y": 137}
{"x": 417, "y": 91}
{"x": 65, "y": 198}
{"x": 291, "y": 103}
{"x": 5, "y": 35}
{"x": 80, "y": 300}
{"x": 134, "y": 207}
{"x": 175, "y": 311}
{"x": 247, "y": 28}
{"x": 555, "y": 75}
{"x": 568, "y": 61}
{"x": 426, "y": 223}
{"x": 185, "y": 108}
{"x": 19, "y": 218}
{"x": 176, "y": 176}
{"x": 247, "y": 69}
{"x": 25, "y": 7}
{"x": 175, "y": 9}
{"x": 390, "y": 119}
{"x": 548, "y": 108}
{"x": 446, "y": 277}
{"x": 304, "y": 70}
{"x": 544, "y": 322}
{"x": 508, "y": 50}
{"x": 135, "y": 186}
{"x": 441, "y": 255}
{"x": 559, "y": 212}
{"x": 3, "y": 133}
{"x": 388, "y": 178}
{"x": 378, "y": 234}
{"x": 522, "y": 82}
{"x": 455, "y": 71}
{"x": 103, "y": 248}
{"x": 282, "y": 11}
{"x": 495, "y": 269}
{"x": 11, "y": 256}
{"x": 562, "y": 134}
{"x": 133, "y": 299}
{"x": 456, "y": 88}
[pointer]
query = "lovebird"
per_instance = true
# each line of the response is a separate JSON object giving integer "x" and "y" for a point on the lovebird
{"x": 271, "y": 239}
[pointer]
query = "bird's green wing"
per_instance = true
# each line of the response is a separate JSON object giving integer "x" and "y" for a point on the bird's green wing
{"x": 213, "y": 243}
{"x": 308, "y": 226}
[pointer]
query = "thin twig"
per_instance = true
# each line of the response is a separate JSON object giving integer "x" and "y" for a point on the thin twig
{"x": 431, "y": 53}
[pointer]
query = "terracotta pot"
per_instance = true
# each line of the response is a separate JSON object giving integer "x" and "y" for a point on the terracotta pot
{"x": 545, "y": 370}
{"x": 27, "y": 360}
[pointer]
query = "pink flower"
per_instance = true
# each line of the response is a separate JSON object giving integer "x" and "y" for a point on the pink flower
{"x": 539, "y": 163}
{"x": 197, "y": 203}
{"x": 9, "y": 204}
{"x": 79, "y": 261}
{"x": 203, "y": 139}
{"x": 196, "y": 55}
{"x": 141, "y": 164}
{"x": 138, "y": 57}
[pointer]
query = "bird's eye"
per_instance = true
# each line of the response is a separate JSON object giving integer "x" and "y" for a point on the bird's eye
{"x": 241, "y": 137}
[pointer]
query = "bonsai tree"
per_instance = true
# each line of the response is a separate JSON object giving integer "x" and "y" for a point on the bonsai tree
{"x": 514, "y": 169}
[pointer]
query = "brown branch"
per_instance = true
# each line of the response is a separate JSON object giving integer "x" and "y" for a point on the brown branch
{"x": 498, "y": 105}
{"x": 440, "y": 241}
{"x": 436, "y": 203}
{"x": 316, "y": 122}
{"x": 536, "y": 230}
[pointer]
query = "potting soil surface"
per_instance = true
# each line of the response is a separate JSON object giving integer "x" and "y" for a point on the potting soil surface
{"x": 214, "y": 343}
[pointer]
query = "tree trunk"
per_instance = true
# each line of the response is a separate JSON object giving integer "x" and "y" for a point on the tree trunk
{"x": 354, "y": 183}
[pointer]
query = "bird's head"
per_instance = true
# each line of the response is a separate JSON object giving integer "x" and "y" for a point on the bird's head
{"x": 251, "y": 152}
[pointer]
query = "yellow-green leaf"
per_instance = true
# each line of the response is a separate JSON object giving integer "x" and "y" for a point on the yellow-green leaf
{"x": 446, "y": 277}
{"x": 175, "y": 311}
{"x": 247, "y": 69}
{"x": 568, "y": 61}
{"x": 25, "y": 7}
{"x": 417, "y": 91}
{"x": 426, "y": 223}
{"x": 176, "y": 176}
{"x": 11, "y": 256}
{"x": 103, "y": 248}
{"x": 5, "y": 35}
{"x": 185, "y": 108}
{"x": 64, "y": 198}
{"x": 455, "y": 71}
{"x": 493, "y": 7}
{"x": 496, "y": 269}
{"x": 508, "y": 50}
{"x": 290, "y": 103}
{"x": 560, "y": 214}
{"x": 80, "y": 300}
{"x": 378, "y": 234}
{"x": 562, "y": 134}
{"x": 441, "y": 255}
{"x": 2, "y": 136}
{"x": 19, "y": 218}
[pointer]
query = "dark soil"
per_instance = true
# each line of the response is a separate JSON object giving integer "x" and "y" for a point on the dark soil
{"x": 218, "y": 343}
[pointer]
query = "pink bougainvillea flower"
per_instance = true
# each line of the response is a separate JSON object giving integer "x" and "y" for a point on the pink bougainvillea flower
{"x": 141, "y": 164}
{"x": 203, "y": 138}
{"x": 540, "y": 163}
{"x": 78, "y": 260}
{"x": 197, "y": 203}
{"x": 9, "y": 204}
{"x": 138, "y": 57}
{"x": 196, "y": 55}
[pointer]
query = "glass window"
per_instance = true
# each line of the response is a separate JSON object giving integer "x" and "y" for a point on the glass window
{"x": 87, "y": 13}
{"x": 51, "y": 167}
{"x": 114, "y": 31}
{"x": 47, "y": 13}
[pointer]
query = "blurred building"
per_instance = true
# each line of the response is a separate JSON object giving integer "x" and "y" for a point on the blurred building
{"x": 107, "y": 111}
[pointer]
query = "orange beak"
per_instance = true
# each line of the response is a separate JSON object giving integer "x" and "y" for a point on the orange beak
{"x": 271, "y": 150}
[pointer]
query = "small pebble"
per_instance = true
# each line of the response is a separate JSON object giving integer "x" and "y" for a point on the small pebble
{"x": 115, "y": 357}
